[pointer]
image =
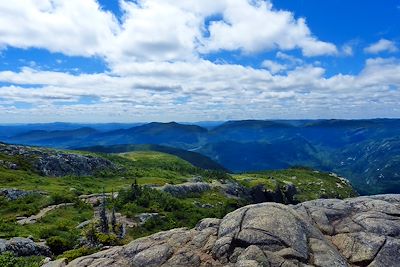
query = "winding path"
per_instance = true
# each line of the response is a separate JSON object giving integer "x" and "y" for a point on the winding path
{"x": 34, "y": 218}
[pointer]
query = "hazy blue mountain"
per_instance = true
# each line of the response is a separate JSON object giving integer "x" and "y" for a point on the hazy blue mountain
{"x": 10, "y": 130}
{"x": 365, "y": 151}
{"x": 171, "y": 134}
{"x": 53, "y": 138}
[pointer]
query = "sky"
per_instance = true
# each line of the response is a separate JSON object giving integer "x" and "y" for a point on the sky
{"x": 198, "y": 60}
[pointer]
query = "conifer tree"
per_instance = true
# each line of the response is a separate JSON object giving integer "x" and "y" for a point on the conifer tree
{"x": 103, "y": 216}
{"x": 113, "y": 218}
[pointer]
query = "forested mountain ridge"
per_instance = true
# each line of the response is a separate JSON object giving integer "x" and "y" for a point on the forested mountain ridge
{"x": 365, "y": 151}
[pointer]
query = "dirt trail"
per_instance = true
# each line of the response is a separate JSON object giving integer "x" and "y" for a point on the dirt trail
{"x": 93, "y": 199}
{"x": 34, "y": 218}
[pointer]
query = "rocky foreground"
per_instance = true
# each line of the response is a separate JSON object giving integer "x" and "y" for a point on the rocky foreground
{"x": 363, "y": 231}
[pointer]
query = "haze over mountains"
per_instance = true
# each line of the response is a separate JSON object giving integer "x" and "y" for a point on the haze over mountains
{"x": 365, "y": 151}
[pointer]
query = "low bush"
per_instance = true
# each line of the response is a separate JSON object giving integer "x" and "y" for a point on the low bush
{"x": 8, "y": 259}
{"x": 59, "y": 244}
{"x": 76, "y": 253}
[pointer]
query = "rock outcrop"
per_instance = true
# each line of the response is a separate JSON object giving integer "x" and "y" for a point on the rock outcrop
{"x": 185, "y": 189}
{"x": 57, "y": 163}
{"x": 363, "y": 231}
{"x": 282, "y": 194}
{"x": 23, "y": 247}
{"x": 14, "y": 194}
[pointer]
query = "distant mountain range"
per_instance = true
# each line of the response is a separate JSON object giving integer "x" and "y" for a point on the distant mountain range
{"x": 365, "y": 151}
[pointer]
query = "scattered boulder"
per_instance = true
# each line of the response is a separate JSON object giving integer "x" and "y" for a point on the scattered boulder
{"x": 282, "y": 194}
{"x": 24, "y": 247}
{"x": 14, "y": 194}
{"x": 144, "y": 217}
{"x": 185, "y": 189}
{"x": 234, "y": 189}
{"x": 9, "y": 165}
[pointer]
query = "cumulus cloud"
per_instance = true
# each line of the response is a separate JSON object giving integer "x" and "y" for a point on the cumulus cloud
{"x": 157, "y": 30}
{"x": 155, "y": 53}
{"x": 72, "y": 27}
{"x": 273, "y": 66}
{"x": 382, "y": 45}
{"x": 258, "y": 27}
{"x": 188, "y": 91}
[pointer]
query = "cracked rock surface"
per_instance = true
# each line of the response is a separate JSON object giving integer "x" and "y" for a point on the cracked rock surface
{"x": 362, "y": 231}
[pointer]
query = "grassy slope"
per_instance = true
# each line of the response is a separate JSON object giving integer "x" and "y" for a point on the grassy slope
{"x": 310, "y": 184}
{"x": 148, "y": 168}
{"x": 194, "y": 158}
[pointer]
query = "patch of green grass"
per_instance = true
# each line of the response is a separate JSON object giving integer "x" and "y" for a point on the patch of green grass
{"x": 61, "y": 222}
{"x": 76, "y": 253}
{"x": 310, "y": 184}
{"x": 173, "y": 212}
{"x": 9, "y": 260}
{"x": 26, "y": 206}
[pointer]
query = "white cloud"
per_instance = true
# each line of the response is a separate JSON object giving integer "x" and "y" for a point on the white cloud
{"x": 155, "y": 30}
{"x": 273, "y": 66}
{"x": 382, "y": 45}
{"x": 157, "y": 72}
{"x": 72, "y": 27}
{"x": 200, "y": 90}
{"x": 347, "y": 50}
{"x": 286, "y": 57}
{"x": 258, "y": 27}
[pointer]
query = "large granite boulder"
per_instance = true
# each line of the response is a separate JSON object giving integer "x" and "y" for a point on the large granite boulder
{"x": 363, "y": 231}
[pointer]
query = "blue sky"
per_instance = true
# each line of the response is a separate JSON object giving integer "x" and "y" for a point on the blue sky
{"x": 162, "y": 60}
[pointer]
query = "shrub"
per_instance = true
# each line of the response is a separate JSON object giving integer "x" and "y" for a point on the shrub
{"x": 107, "y": 239}
{"x": 8, "y": 259}
{"x": 58, "y": 198}
{"x": 58, "y": 244}
{"x": 76, "y": 253}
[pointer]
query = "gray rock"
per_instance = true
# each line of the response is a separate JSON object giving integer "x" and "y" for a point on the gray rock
{"x": 62, "y": 164}
{"x": 274, "y": 235}
{"x": 254, "y": 253}
{"x": 207, "y": 222}
{"x": 388, "y": 255}
{"x": 358, "y": 247}
{"x": 56, "y": 163}
{"x": 56, "y": 263}
{"x": 325, "y": 255}
{"x": 14, "y": 194}
{"x": 83, "y": 224}
{"x": 23, "y": 247}
{"x": 185, "y": 189}
{"x": 154, "y": 256}
{"x": 144, "y": 217}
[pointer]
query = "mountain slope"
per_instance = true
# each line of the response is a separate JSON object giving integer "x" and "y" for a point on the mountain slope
{"x": 194, "y": 158}
{"x": 257, "y": 145}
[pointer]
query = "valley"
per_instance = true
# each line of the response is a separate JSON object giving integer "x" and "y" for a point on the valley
{"x": 364, "y": 151}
